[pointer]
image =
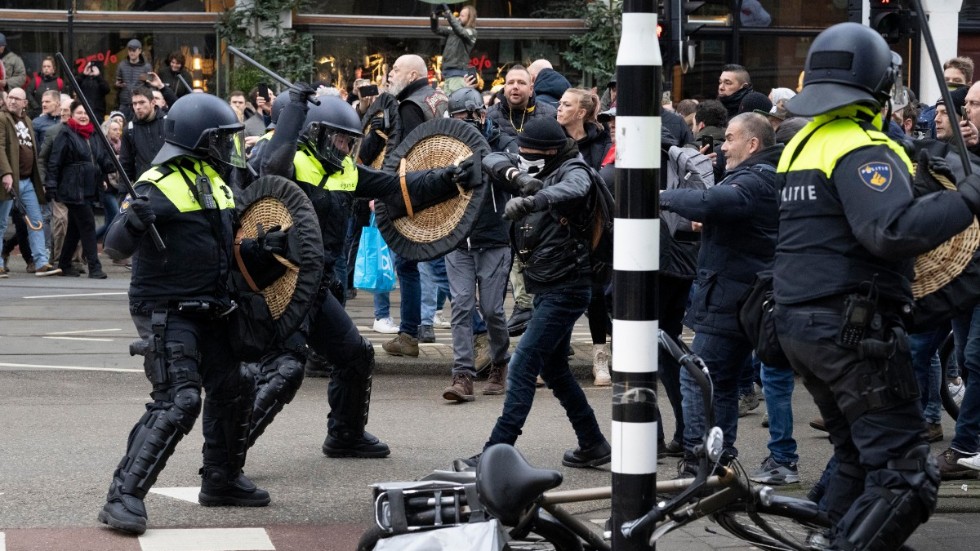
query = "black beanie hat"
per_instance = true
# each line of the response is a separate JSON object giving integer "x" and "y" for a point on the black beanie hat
{"x": 542, "y": 133}
{"x": 754, "y": 100}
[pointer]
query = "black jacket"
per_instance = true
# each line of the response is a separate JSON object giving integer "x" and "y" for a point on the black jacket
{"x": 594, "y": 145}
{"x": 554, "y": 255}
{"x": 77, "y": 167}
{"x": 141, "y": 140}
{"x": 509, "y": 119}
{"x": 491, "y": 229}
{"x": 95, "y": 89}
{"x": 740, "y": 216}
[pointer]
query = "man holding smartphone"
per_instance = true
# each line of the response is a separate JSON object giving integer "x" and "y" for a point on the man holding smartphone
{"x": 130, "y": 73}
{"x": 460, "y": 39}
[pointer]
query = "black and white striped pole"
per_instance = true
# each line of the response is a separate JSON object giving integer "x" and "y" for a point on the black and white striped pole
{"x": 636, "y": 261}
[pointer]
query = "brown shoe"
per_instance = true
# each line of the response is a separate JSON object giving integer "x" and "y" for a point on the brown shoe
{"x": 481, "y": 352}
{"x": 817, "y": 423}
{"x": 47, "y": 270}
{"x": 30, "y": 267}
{"x": 496, "y": 380}
{"x": 461, "y": 389}
{"x": 934, "y": 432}
{"x": 949, "y": 469}
{"x": 402, "y": 345}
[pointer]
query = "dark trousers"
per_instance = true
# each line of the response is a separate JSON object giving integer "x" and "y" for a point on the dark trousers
{"x": 673, "y": 301}
{"x": 81, "y": 227}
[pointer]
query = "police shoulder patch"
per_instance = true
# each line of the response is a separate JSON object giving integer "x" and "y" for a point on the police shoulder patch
{"x": 876, "y": 175}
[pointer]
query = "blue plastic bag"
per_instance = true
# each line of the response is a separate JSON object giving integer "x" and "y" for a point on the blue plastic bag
{"x": 374, "y": 270}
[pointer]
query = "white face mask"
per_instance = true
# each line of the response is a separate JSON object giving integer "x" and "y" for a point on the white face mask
{"x": 530, "y": 166}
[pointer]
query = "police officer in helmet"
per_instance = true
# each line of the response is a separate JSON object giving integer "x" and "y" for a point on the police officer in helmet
{"x": 850, "y": 227}
{"x": 316, "y": 146}
{"x": 466, "y": 104}
{"x": 180, "y": 304}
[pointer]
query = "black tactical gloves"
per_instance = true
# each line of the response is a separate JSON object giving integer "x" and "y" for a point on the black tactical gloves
{"x": 518, "y": 208}
{"x": 143, "y": 215}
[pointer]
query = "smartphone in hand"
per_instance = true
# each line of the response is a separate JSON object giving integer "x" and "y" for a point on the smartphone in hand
{"x": 708, "y": 141}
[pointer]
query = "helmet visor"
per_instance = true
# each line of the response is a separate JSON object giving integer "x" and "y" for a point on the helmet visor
{"x": 333, "y": 145}
{"x": 227, "y": 146}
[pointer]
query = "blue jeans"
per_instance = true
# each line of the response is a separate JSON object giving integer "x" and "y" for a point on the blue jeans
{"x": 5, "y": 207}
{"x": 34, "y": 236}
{"x": 961, "y": 330}
{"x": 543, "y": 349}
{"x": 967, "y": 436}
{"x": 749, "y": 375}
{"x": 382, "y": 305}
{"x": 411, "y": 286}
{"x": 925, "y": 362}
{"x": 434, "y": 288}
{"x": 110, "y": 205}
{"x": 777, "y": 386}
{"x": 725, "y": 358}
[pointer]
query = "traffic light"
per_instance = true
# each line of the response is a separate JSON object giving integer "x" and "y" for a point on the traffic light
{"x": 681, "y": 30}
{"x": 891, "y": 20}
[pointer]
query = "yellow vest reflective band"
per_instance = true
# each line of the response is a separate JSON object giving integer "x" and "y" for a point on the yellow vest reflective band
{"x": 309, "y": 170}
{"x": 170, "y": 180}
{"x": 834, "y": 135}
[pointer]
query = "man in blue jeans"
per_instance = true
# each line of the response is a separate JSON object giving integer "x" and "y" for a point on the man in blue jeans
{"x": 961, "y": 459}
{"x": 738, "y": 241}
{"x": 558, "y": 272}
{"x": 780, "y": 467}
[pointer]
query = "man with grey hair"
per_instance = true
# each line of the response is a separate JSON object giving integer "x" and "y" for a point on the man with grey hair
{"x": 418, "y": 102}
{"x": 739, "y": 218}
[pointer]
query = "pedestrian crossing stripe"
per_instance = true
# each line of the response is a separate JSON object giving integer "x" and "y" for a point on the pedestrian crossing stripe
{"x": 185, "y": 493}
{"x": 206, "y": 539}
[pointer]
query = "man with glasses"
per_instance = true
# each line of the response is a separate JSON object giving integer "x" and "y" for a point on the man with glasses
{"x": 129, "y": 74}
{"x": 19, "y": 167}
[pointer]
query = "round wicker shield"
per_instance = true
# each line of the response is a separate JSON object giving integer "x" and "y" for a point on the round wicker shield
{"x": 936, "y": 268}
{"x": 276, "y": 201}
{"x": 434, "y": 231}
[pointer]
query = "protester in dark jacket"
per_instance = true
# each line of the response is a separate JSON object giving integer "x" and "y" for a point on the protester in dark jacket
{"x": 143, "y": 136}
{"x": 94, "y": 87}
{"x": 172, "y": 70}
{"x": 518, "y": 106}
{"x": 77, "y": 168}
{"x": 549, "y": 84}
{"x": 739, "y": 217}
{"x": 130, "y": 73}
{"x": 577, "y": 113}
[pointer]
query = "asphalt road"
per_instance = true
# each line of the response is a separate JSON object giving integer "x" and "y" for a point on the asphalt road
{"x": 69, "y": 394}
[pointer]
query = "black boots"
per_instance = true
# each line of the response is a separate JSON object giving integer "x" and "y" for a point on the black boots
{"x": 349, "y": 444}
{"x": 219, "y": 488}
{"x": 124, "y": 512}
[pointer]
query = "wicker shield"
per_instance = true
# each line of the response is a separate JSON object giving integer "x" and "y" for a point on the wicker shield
{"x": 947, "y": 278}
{"x": 276, "y": 201}
{"x": 434, "y": 231}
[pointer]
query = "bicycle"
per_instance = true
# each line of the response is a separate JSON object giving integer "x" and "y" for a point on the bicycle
{"x": 520, "y": 503}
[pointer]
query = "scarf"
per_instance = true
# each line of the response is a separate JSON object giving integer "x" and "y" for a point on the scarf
{"x": 83, "y": 131}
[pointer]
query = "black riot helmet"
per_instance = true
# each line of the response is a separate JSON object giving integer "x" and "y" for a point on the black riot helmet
{"x": 847, "y": 64}
{"x": 469, "y": 102}
{"x": 332, "y": 131}
{"x": 204, "y": 127}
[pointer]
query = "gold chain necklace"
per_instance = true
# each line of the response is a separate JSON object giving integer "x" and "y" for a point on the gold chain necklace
{"x": 511, "y": 117}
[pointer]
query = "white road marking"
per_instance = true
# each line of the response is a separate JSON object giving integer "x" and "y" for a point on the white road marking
{"x": 123, "y": 293}
{"x": 80, "y": 331}
{"x": 73, "y": 368}
{"x": 184, "y": 493}
{"x": 206, "y": 539}
{"x": 3, "y": 542}
{"x": 97, "y": 339}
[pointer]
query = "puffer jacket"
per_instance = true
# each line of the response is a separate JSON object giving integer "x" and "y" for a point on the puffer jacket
{"x": 77, "y": 167}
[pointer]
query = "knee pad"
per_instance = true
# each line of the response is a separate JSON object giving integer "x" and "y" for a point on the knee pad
{"x": 897, "y": 499}
{"x": 186, "y": 408}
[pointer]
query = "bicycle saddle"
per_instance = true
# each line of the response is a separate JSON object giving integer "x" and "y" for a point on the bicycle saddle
{"x": 507, "y": 484}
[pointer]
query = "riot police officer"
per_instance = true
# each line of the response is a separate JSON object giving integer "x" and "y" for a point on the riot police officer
{"x": 179, "y": 302}
{"x": 316, "y": 146}
{"x": 849, "y": 229}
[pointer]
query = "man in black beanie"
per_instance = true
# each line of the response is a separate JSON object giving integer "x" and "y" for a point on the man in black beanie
{"x": 553, "y": 183}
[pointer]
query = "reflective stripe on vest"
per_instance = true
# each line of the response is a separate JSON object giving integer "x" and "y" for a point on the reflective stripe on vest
{"x": 309, "y": 171}
{"x": 171, "y": 183}
{"x": 833, "y": 136}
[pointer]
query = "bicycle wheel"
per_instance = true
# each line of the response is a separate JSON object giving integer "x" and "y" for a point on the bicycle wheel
{"x": 787, "y": 523}
{"x": 951, "y": 395}
{"x": 370, "y": 538}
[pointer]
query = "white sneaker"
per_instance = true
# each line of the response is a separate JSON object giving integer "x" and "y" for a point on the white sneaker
{"x": 437, "y": 321}
{"x": 972, "y": 462}
{"x": 385, "y": 325}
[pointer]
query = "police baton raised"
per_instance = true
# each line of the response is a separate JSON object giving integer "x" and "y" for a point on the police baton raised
{"x": 944, "y": 90}
{"x": 245, "y": 57}
{"x": 183, "y": 81}
{"x": 67, "y": 70}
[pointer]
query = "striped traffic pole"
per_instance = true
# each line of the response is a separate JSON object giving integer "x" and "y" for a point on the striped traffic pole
{"x": 636, "y": 261}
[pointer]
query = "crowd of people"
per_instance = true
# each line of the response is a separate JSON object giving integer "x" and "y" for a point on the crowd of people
{"x": 815, "y": 185}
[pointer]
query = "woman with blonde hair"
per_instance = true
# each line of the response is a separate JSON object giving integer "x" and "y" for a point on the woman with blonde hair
{"x": 577, "y": 112}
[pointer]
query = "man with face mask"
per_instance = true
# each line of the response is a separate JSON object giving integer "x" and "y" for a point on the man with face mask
{"x": 559, "y": 273}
